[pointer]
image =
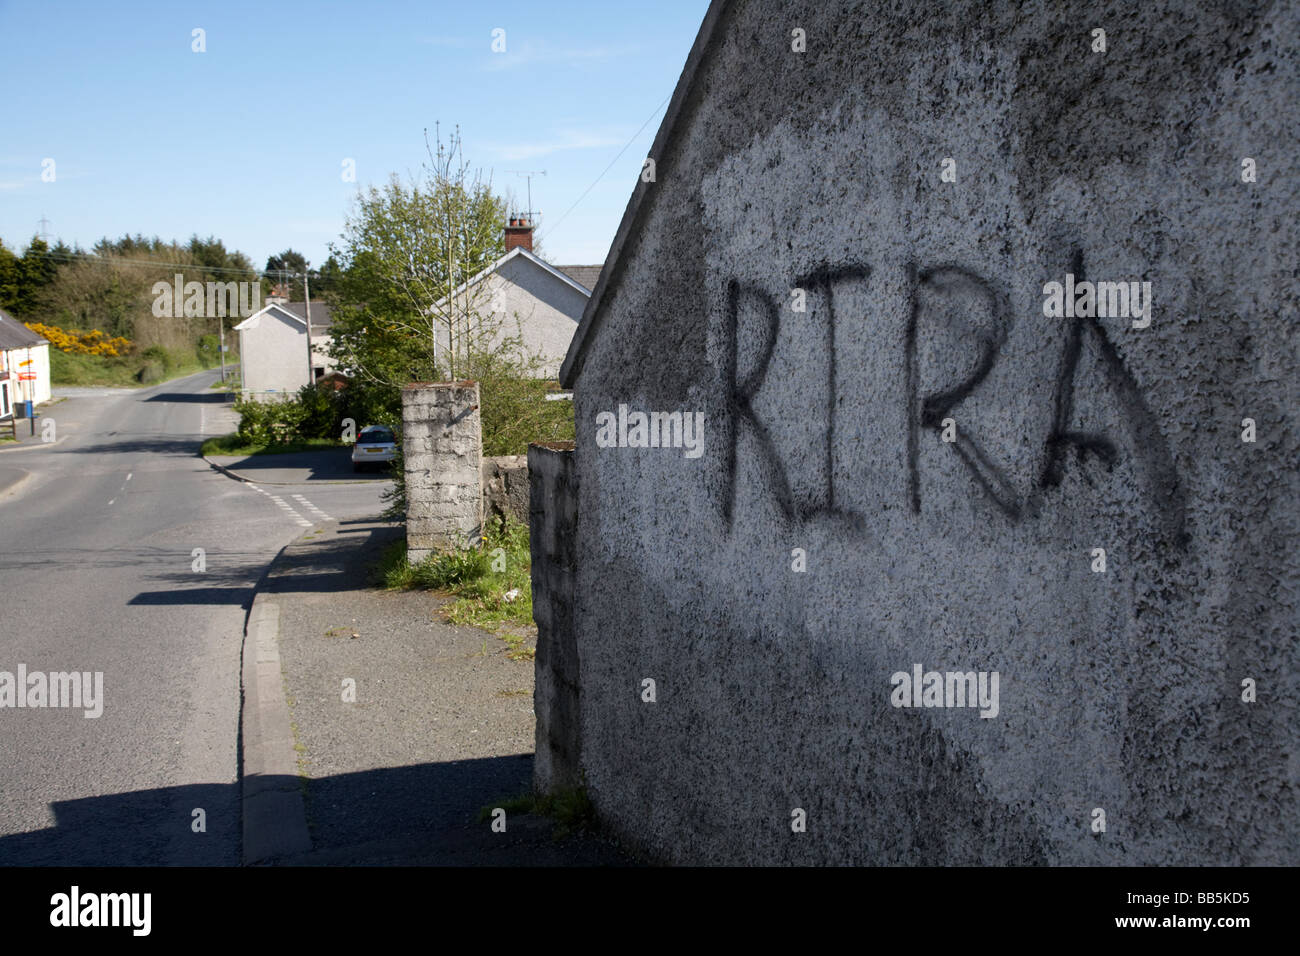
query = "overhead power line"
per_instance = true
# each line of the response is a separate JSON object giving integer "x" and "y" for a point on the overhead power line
{"x": 557, "y": 222}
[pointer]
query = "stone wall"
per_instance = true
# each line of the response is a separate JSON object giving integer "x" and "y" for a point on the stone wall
{"x": 443, "y": 448}
{"x": 844, "y": 262}
{"x": 505, "y": 488}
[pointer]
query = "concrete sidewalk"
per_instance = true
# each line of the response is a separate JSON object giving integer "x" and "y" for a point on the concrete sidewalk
{"x": 442, "y": 723}
{"x": 22, "y": 437}
{"x": 12, "y": 477}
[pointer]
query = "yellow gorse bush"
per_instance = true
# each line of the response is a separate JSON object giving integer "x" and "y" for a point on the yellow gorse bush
{"x": 81, "y": 343}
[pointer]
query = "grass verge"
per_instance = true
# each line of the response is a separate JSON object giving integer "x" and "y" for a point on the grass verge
{"x": 232, "y": 444}
{"x": 492, "y": 584}
{"x": 130, "y": 371}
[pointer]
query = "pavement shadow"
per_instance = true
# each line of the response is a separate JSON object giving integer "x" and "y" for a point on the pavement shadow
{"x": 421, "y": 815}
{"x": 194, "y": 398}
{"x": 330, "y": 566}
{"x": 242, "y": 597}
{"x": 332, "y": 464}
{"x": 127, "y": 444}
{"x": 428, "y": 815}
{"x": 137, "y": 828}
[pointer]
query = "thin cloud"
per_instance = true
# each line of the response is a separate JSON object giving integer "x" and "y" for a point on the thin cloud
{"x": 571, "y": 140}
{"x": 534, "y": 53}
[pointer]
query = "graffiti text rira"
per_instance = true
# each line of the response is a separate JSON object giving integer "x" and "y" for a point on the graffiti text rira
{"x": 948, "y": 307}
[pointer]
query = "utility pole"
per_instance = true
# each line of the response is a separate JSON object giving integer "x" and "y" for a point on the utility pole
{"x": 306, "y": 296}
{"x": 221, "y": 345}
{"x": 29, "y": 390}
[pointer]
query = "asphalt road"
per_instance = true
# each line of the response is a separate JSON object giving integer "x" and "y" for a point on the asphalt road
{"x": 97, "y": 574}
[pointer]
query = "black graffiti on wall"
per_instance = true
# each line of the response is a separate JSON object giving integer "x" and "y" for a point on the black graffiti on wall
{"x": 822, "y": 501}
{"x": 978, "y": 299}
{"x": 952, "y": 304}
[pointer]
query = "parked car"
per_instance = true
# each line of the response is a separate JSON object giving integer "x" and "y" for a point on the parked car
{"x": 375, "y": 446}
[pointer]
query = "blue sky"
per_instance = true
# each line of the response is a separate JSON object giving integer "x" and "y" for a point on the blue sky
{"x": 246, "y": 141}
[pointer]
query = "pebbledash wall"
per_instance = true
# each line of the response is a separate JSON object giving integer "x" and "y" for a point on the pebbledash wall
{"x": 442, "y": 445}
{"x": 453, "y": 493}
{"x": 1120, "y": 690}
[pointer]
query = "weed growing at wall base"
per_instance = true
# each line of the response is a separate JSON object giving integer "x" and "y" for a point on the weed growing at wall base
{"x": 570, "y": 808}
{"x": 492, "y": 585}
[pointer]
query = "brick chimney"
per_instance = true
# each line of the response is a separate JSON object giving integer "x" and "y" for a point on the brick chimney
{"x": 519, "y": 232}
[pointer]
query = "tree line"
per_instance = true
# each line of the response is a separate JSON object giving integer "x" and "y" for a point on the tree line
{"x": 108, "y": 287}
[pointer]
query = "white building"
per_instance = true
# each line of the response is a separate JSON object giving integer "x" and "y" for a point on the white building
{"x": 528, "y": 298}
{"x": 273, "y": 349}
{"x": 24, "y": 366}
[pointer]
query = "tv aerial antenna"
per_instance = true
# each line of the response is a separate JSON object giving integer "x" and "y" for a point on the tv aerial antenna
{"x": 528, "y": 174}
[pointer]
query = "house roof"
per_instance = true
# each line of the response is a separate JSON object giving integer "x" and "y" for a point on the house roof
{"x": 638, "y": 206}
{"x": 586, "y": 276}
{"x": 517, "y": 252}
{"x": 15, "y": 335}
{"x": 321, "y": 315}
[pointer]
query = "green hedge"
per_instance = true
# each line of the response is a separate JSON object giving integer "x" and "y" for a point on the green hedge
{"x": 315, "y": 412}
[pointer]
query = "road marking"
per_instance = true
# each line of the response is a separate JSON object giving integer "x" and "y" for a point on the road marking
{"x": 111, "y": 500}
{"x": 312, "y": 508}
{"x": 288, "y": 509}
{"x": 129, "y": 474}
{"x": 289, "y": 512}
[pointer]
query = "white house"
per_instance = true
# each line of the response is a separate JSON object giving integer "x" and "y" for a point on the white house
{"x": 24, "y": 366}
{"x": 529, "y": 298}
{"x": 273, "y": 349}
